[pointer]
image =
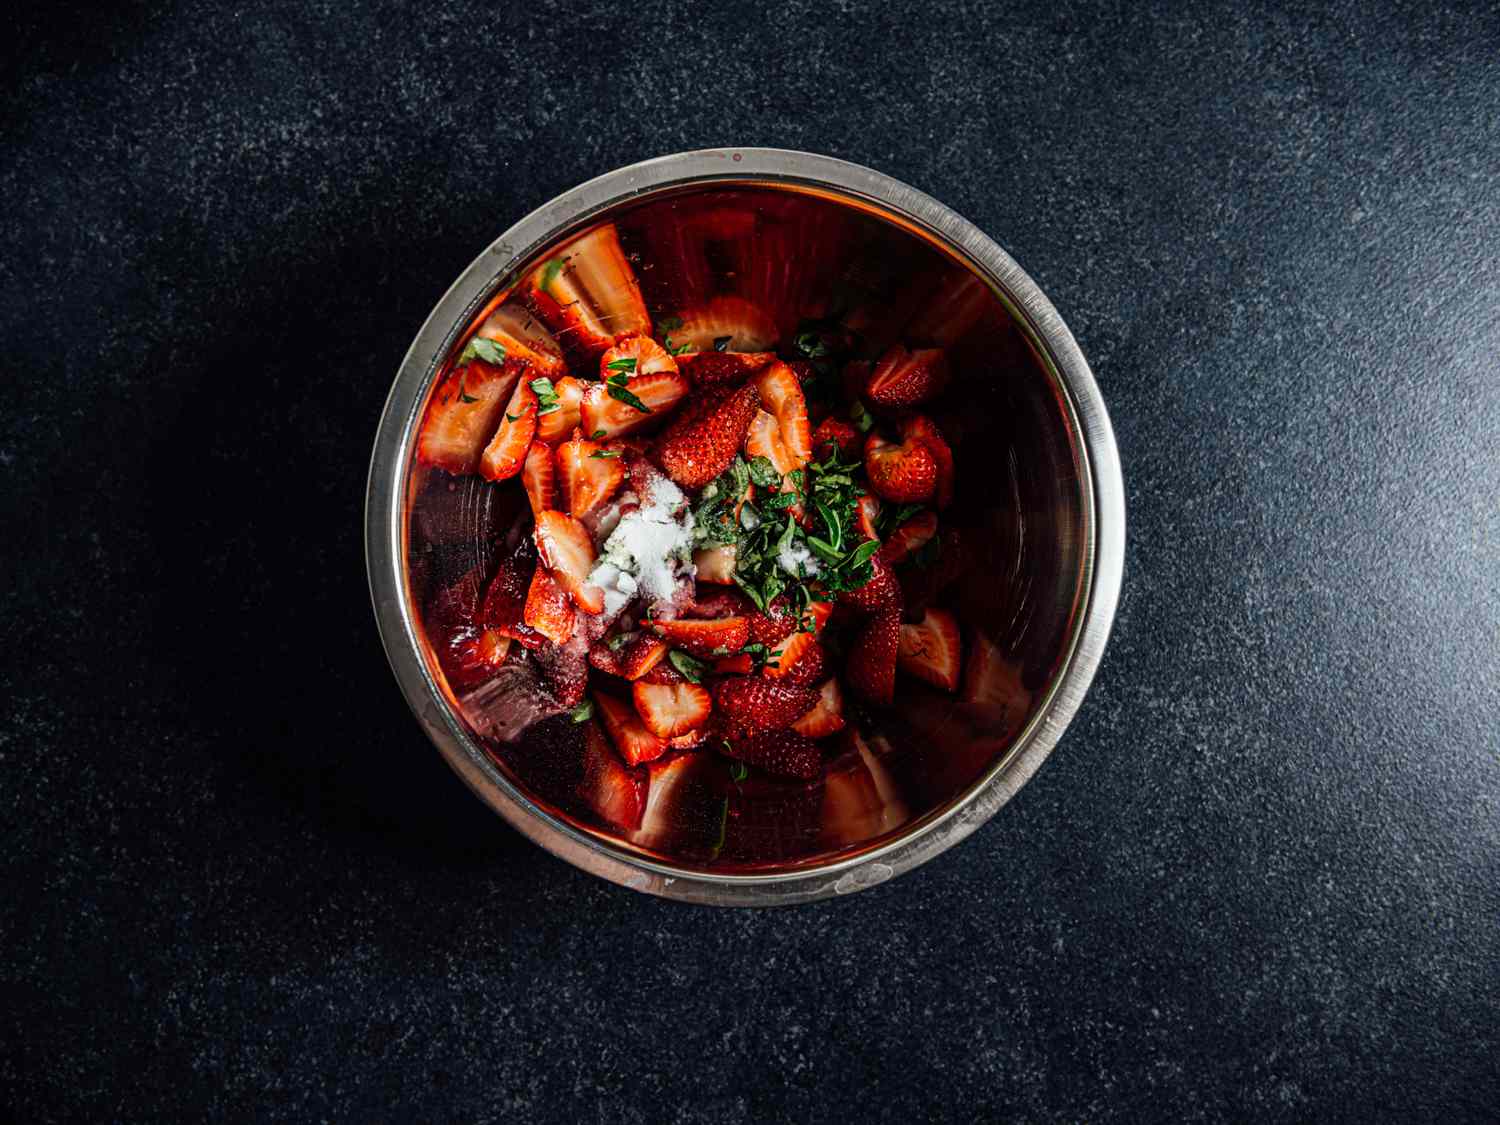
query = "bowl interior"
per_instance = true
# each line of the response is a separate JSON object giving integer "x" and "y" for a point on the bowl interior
{"x": 831, "y": 272}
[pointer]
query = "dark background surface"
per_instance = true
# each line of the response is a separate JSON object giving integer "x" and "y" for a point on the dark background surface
{"x": 1259, "y": 877}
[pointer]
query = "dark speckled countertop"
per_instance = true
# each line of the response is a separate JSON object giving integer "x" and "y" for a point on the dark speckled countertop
{"x": 1260, "y": 878}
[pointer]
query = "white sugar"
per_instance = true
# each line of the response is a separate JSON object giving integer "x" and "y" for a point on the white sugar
{"x": 649, "y": 547}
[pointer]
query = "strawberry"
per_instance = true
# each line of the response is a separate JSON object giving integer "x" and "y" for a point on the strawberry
{"x": 747, "y": 326}
{"x": 568, "y": 552}
{"x": 701, "y": 638}
{"x": 860, "y": 800}
{"x": 993, "y": 680}
{"x": 700, "y": 443}
{"x": 635, "y": 743}
{"x": 714, "y": 368}
{"x": 506, "y": 452}
{"x": 555, "y": 425}
{"x": 588, "y": 295}
{"x": 751, "y": 704}
{"x": 835, "y": 433}
{"x": 504, "y": 604}
{"x": 827, "y": 714}
{"x": 590, "y": 474}
{"x": 781, "y": 397}
{"x": 921, "y": 428}
{"x": 781, "y": 752}
{"x": 603, "y": 415}
{"x": 739, "y": 664}
{"x": 538, "y": 474}
{"x": 905, "y": 473}
{"x": 524, "y": 339}
{"x": 638, "y": 355}
{"x": 565, "y": 667}
{"x": 909, "y": 537}
{"x": 881, "y": 594}
{"x": 630, "y": 660}
{"x": 905, "y": 378}
{"x": 871, "y": 667}
{"x": 791, "y": 651}
{"x": 721, "y": 603}
{"x": 463, "y": 413}
{"x": 805, "y": 666}
{"x": 866, "y": 512}
{"x": 616, "y": 793}
{"x": 715, "y": 564}
{"x": 669, "y": 710}
{"x": 774, "y": 623}
{"x": 929, "y": 650}
{"x": 548, "y": 610}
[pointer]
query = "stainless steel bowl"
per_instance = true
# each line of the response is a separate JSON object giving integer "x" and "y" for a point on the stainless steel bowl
{"x": 1092, "y": 542}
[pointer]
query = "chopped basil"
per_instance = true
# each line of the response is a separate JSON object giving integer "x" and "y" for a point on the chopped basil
{"x": 689, "y": 665}
{"x": 861, "y": 417}
{"x": 546, "y": 396}
{"x": 618, "y": 392}
{"x": 738, "y": 771}
{"x": 624, "y": 364}
{"x": 600, "y": 454}
{"x": 549, "y": 274}
{"x": 763, "y": 473}
{"x": 583, "y": 712}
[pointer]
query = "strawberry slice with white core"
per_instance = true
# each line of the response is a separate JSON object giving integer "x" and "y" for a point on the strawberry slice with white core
{"x": 930, "y": 649}
{"x": 639, "y": 355}
{"x": 715, "y": 564}
{"x": 554, "y": 426}
{"x": 903, "y": 474}
{"x": 568, "y": 552}
{"x": 866, "y": 512}
{"x": 548, "y": 610}
{"x": 463, "y": 414}
{"x": 781, "y": 396}
{"x": 628, "y": 403}
{"x": 905, "y": 378}
{"x": 588, "y": 295}
{"x": 616, "y": 793}
{"x": 726, "y": 323}
{"x": 506, "y": 452}
{"x": 539, "y": 476}
{"x": 909, "y": 538}
{"x": 591, "y": 473}
{"x": 635, "y": 743}
{"x": 827, "y": 714}
{"x": 524, "y": 338}
{"x": 669, "y": 710}
{"x": 781, "y": 659}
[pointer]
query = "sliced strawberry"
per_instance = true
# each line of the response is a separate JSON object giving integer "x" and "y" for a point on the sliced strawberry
{"x": 506, "y": 452}
{"x": 806, "y": 667}
{"x": 930, "y": 650}
{"x": 721, "y": 603}
{"x": 751, "y": 704}
{"x": 669, "y": 710}
{"x": 504, "y": 604}
{"x": 635, "y": 743}
{"x": 555, "y": 425}
{"x": 904, "y": 474}
{"x": 714, "y": 368}
{"x": 866, "y": 512}
{"x": 565, "y": 668}
{"x": 739, "y": 664}
{"x": 782, "y": 752}
{"x": 992, "y": 680}
{"x": 538, "y": 474}
{"x": 588, "y": 295}
{"x": 781, "y": 395}
{"x": 905, "y": 378}
{"x": 774, "y": 623}
{"x": 715, "y": 564}
{"x": 630, "y": 659}
{"x": 548, "y": 610}
{"x": 827, "y": 714}
{"x": 590, "y": 474}
{"x": 616, "y": 793}
{"x": 690, "y": 739}
{"x": 701, "y": 442}
{"x": 871, "y": 667}
{"x": 881, "y": 594}
{"x": 602, "y": 415}
{"x": 918, "y": 427}
{"x": 568, "y": 552}
{"x": 702, "y": 638}
{"x": 463, "y": 413}
{"x": 638, "y": 355}
{"x": 523, "y": 338}
{"x": 791, "y": 651}
{"x": 835, "y": 433}
{"x": 763, "y": 439}
{"x": 860, "y": 800}
{"x": 745, "y": 325}
{"x": 909, "y": 537}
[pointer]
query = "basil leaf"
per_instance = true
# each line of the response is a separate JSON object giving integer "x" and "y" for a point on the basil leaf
{"x": 627, "y": 397}
{"x": 763, "y": 473}
{"x": 861, "y": 417}
{"x": 861, "y": 554}
{"x": 689, "y": 665}
{"x": 549, "y": 274}
{"x": 583, "y": 712}
{"x": 625, "y": 364}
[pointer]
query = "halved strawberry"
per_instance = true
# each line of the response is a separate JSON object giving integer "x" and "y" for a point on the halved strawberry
{"x": 805, "y": 667}
{"x": 745, "y": 325}
{"x": 702, "y": 638}
{"x": 701, "y": 442}
{"x": 604, "y": 415}
{"x": 774, "y": 623}
{"x": 638, "y": 355}
{"x": 782, "y": 398}
{"x": 929, "y": 650}
{"x": 866, "y": 512}
{"x": 835, "y": 433}
{"x": 881, "y": 594}
{"x": 782, "y": 752}
{"x": 669, "y": 710}
{"x": 721, "y": 603}
{"x": 539, "y": 475}
{"x": 826, "y": 715}
{"x": 905, "y": 473}
{"x": 568, "y": 552}
{"x": 905, "y": 378}
{"x": 871, "y": 667}
{"x": 565, "y": 668}
{"x": 588, "y": 295}
{"x": 629, "y": 659}
{"x": 555, "y": 425}
{"x": 713, "y": 368}
{"x": 548, "y": 610}
{"x": 505, "y": 598}
{"x": 590, "y": 474}
{"x": 921, "y": 428}
{"x": 463, "y": 413}
{"x": 909, "y": 537}
{"x": 523, "y": 338}
{"x": 616, "y": 793}
{"x": 790, "y": 651}
{"x": 506, "y": 452}
{"x": 635, "y": 743}
{"x": 752, "y": 704}
{"x": 715, "y": 564}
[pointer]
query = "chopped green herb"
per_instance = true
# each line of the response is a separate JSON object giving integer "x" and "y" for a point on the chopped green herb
{"x": 810, "y": 343}
{"x": 618, "y": 641}
{"x": 596, "y": 435}
{"x": 624, "y": 364}
{"x": 721, "y": 343}
{"x": 763, "y": 473}
{"x": 738, "y": 771}
{"x": 546, "y": 396}
{"x": 491, "y": 351}
{"x": 618, "y": 392}
{"x": 583, "y": 712}
{"x": 601, "y": 454}
{"x": 689, "y": 665}
{"x": 512, "y": 417}
{"x": 861, "y": 417}
{"x": 549, "y": 274}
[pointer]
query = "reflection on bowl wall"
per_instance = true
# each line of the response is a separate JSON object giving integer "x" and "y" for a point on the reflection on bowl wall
{"x": 764, "y": 263}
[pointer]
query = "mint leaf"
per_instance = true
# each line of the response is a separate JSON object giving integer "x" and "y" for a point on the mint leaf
{"x": 621, "y": 394}
{"x": 689, "y": 665}
{"x": 583, "y": 712}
